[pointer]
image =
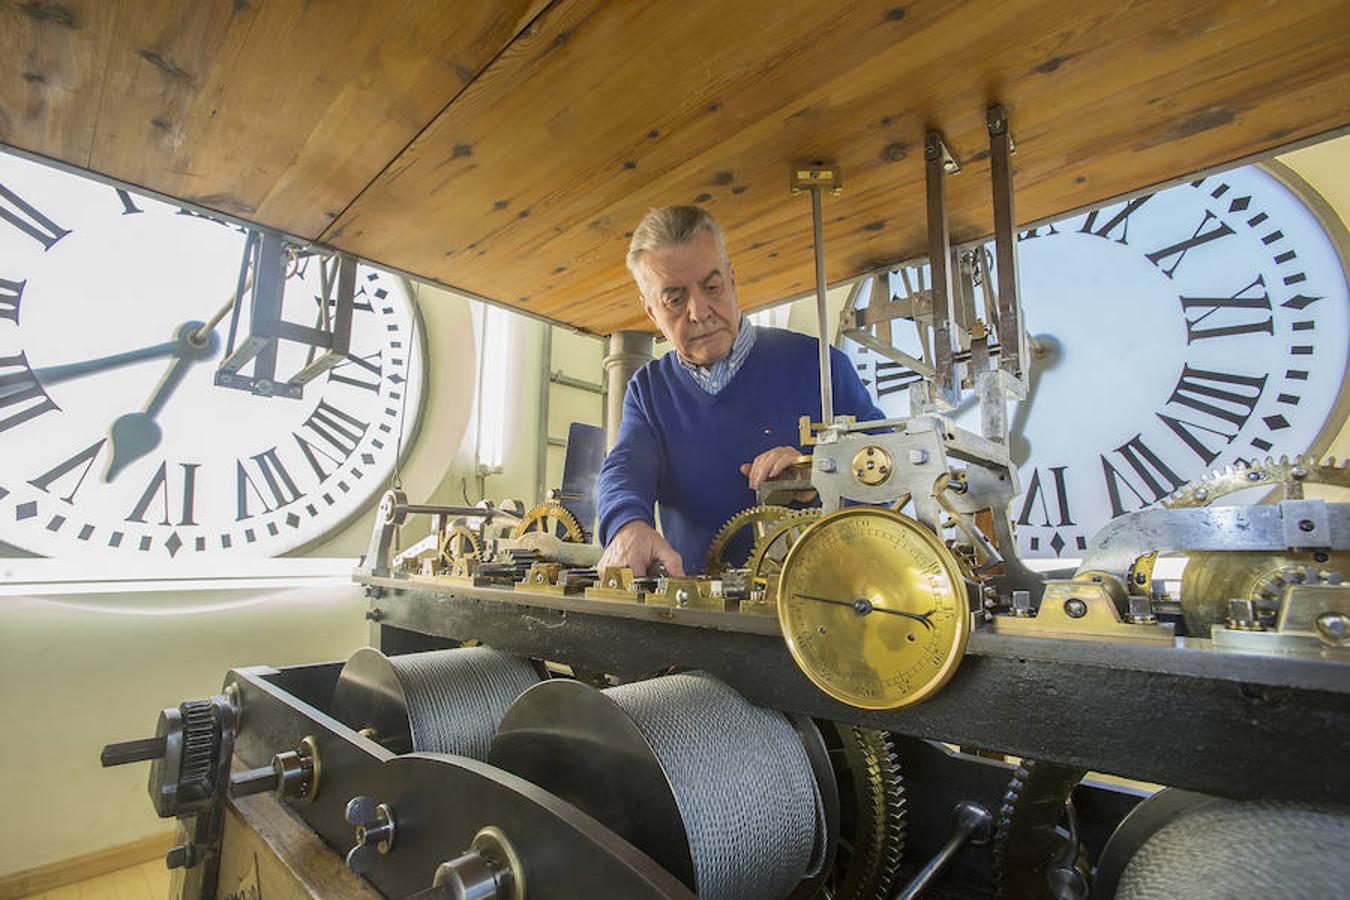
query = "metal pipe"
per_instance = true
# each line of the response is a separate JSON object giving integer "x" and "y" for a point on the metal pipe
{"x": 628, "y": 352}
{"x": 826, "y": 382}
{"x": 545, "y": 386}
{"x": 973, "y": 824}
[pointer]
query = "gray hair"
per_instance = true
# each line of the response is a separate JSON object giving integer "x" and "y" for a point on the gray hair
{"x": 670, "y": 226}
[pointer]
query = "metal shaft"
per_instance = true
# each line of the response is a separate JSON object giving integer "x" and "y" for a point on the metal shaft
{"x": 973, "y": 823}
{"x": 628, "y": 352}
{"x": 826, "y": 381}
{"x": 132, "y": 751}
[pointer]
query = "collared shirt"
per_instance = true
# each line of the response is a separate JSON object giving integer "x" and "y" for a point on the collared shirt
{"x": 717, "y": 376}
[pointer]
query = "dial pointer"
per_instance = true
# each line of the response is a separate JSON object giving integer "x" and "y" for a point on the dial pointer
{"x": 864, "y": 606}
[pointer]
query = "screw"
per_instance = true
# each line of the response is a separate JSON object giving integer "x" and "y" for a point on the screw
{"x": 860, "y": 473}
{"x": 1306, "y": 525}
{"x": 682, "y": 596}
{"x": 1201, "y": 494}
{"x": 1075, "y": 608}
{"x": 374, "y": 615}
{"x": 1254, "y": 476}
{"x": 1321, "y": 557}
{"x": 918, "y": 457}
{"x": 1140, "y": 578}
{"x": 1333, "y": 627}
{"x": 883, "y": 470}
{"x": 184, "y": 856}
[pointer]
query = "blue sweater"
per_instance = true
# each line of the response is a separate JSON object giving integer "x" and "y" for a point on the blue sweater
{"x": 683, "y": 447}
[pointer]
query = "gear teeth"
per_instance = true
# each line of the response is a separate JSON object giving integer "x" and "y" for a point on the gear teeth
{"x": 201, "y": 743}
{"x": 1290, "y": 473}
{"x": 561, "y": 515}
{"x": 767, "y": 515}
{"x": 1025, "y": 839}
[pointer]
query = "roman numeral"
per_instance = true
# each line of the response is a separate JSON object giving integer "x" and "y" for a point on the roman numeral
{"x": 312, "y": 454}
{"x": 1179, "y": 250}
{"x": 341, "y": 430}
{"x": 1253, "y": 325}
{"x": 280, "y": 486}
{"x": 85, "y": 457}
{"x": 1037, "y": 494}
{"x": 361, "y": 363}
{"x": 129, "y": 207}
{"x": 1148, "y": 466}
{"x": 11, "y": 292}
{"x": 22, "y": 398}
{"x": 1219, "y": 395}
{"x": 22, "y": 215}
{"x": 159, "y": 487}
{"x": 1032, "y": 233}
{"x": 1120, "y": 220}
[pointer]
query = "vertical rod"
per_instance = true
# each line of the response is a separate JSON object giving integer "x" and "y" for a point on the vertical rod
{"x": 939, "y": 260}
{"x": 826, "y": 380}
{"x": 545, "y": 389}
{"x": 628, "y": 352}
{"x": 1012, "y": 348}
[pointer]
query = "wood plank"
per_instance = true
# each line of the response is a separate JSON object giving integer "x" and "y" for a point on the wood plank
{"x": 56, "y": 875}
{"x": 53, "y": 58}
{"x": 1105, "y": 98}
{"x": 268, "y": 851}
{"x": 281, "y": 112}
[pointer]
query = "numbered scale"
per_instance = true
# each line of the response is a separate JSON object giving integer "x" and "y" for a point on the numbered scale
{"x": 874, "y": 608}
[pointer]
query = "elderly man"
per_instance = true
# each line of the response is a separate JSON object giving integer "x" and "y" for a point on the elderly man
{"x": 706, "y": 425}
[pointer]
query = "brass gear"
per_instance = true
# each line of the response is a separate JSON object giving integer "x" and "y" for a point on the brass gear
{"x": 872, "y": 813}
{"x": 1290, "y": 475}
{"x": 1213, "y": 577}
{"x": 460, "y": 542}
{"x": 551, "y": 518}
{"x": 758, "y": 518}
{"x": 766, "y": 557}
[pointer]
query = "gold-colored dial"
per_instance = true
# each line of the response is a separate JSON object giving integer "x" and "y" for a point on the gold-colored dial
{"x": 873, "y": 608}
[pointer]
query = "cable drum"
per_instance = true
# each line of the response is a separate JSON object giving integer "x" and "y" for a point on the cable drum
{"x": 741, "y": 779}
{"x": 441, "y": 701}
{"x": 719, "y": 791}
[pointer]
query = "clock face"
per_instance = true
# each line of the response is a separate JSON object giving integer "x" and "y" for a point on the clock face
{"x": 1177, "y": 332}
{"x": 114, "y": 437}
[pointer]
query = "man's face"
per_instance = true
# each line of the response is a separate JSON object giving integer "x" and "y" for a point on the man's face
{"x": 689, "y": 291}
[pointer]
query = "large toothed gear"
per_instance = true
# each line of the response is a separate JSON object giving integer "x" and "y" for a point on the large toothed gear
{"x": 872, "y": 798}
{"x": 1027, "y": 842}
{"x": 1288, "y": 474}
{"x": 757, "y": 518}
{"x": 551, "y": 518}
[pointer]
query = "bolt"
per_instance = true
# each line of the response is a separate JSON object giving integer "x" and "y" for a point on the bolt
{"x": 883, "y": 470}
{"x": 827, "y": 465}
{"x": 1333, "y": 627}
{"x": 1306, "y": 525}
{"x": 682, "y": 596}
{"x": 1140, "y": 578}
{"x": 374, "y": 615}
{"x": 1201, "y": 494}
{"x": 860, "y": 473}
{"x": 1254, "y": 476}
{"x": 918, "y": 457}
{"x": 1299, "y": 472}
{"x": 612, "y": 583}
{"x": 1321, "y": 556}
{"x": 1075, "y": 608}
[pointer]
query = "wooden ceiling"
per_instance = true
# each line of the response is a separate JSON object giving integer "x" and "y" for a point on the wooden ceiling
{"x": 506, "y": 147}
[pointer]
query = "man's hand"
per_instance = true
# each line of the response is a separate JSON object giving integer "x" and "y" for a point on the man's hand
{"x": 770, "y": 464}
{"x": 637, "y": 545}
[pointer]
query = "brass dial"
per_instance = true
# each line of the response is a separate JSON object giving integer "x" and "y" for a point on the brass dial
{"x": 873, "y": 608}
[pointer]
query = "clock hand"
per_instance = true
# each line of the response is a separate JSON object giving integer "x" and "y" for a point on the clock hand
{"x": 863, "y": 606}
{"x": 136, "y": 434}
{"x": 55, "y": 374}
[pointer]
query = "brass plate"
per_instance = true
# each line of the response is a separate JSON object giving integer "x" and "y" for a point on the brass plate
{"x": 873, "y": 608}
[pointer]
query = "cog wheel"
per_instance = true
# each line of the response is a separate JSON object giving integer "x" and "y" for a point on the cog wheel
{"x": 201, "y": 748}
{"x": 872, "y": 813}
{"x": 460, "y": 542}
{"x": 1288, "y": 474}
{"x": 1027, "y": 842}
{"x": 551, "y": 518}
{"x": 756, "y": 518}
{"x": 1213, "y": 577}
{"x": 766, "y": 557}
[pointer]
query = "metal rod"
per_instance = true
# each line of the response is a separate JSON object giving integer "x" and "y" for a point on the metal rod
{"x": 826, "y": 381}
{"x": 545, "y": 399}
{"x": 198, "y": 337}
{"x": 973, "y": 823}
{"x": 1014, "y": 361}
{"x": 937, "y": 163}
{"x": 578, "y": 383}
